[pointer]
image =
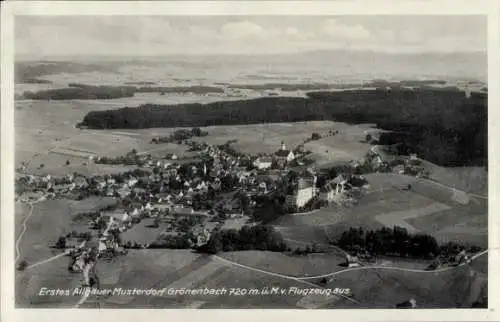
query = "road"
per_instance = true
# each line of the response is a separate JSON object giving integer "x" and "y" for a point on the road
{"x": 304, "y": 278}
{"x": 23, "y": 231}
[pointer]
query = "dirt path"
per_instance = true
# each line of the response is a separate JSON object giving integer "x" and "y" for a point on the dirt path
{"x": 50, "y": 259}
{"x": 23, "y": 231}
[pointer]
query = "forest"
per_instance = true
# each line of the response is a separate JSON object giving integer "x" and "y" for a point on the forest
{"x": 247, "y": 238}
{"x": 398, "y": 242}
{"x": 90, "y": 92}
{"x": 444, "y": 127}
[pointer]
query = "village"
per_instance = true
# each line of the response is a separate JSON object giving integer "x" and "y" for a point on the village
{"x": 194, "y": 197}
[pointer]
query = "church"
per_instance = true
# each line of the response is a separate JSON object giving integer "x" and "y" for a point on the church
{"x": 283, "y": 154}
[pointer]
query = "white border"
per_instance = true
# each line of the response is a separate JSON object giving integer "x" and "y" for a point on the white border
{"x": 353, "y": 7}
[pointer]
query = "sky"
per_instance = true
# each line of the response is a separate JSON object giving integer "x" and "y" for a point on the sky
{"x": 46, "y": 36}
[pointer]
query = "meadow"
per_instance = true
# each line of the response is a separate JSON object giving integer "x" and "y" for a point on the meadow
{"x": 45, "y": 135}
{"x": 428, "y": 208}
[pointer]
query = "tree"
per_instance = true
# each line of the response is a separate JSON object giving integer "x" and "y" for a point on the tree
{"x": 214, "y": 244}
{"x": 67, "y": 162}
{"x": 368, "y": 137}
{"x": 315, "y": 136}
{"x": 196, "y": 131}
{"x": 61, "y": 243}
{"x": 22, "y": 265}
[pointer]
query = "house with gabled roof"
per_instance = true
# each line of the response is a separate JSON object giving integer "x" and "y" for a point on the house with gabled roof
{"x": 263, "y": 163}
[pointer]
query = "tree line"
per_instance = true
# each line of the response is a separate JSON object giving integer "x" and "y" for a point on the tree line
{"x": 397, "y": 242}
{"x": 91, "y": 92}
{"x": 180, "y": 135}
{"x": 444, "y": 127}
{"x": 247, "y": 238}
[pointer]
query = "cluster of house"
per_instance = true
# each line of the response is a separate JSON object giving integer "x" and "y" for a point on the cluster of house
{"x": 280, "y": 157}
{"x": 83, "y": 260}
{"x": 387, "y": 157}
{"x": 55, "y": 186}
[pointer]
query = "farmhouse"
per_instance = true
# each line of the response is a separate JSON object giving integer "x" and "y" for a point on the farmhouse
{"x": 410, "y": 304}
{"x": 81, "y": 182}
{"x": 380, "y": 156}
{"x": 352, "y": 261}
{"x": 201, "y": 235}
{"x": 335, "y": 188}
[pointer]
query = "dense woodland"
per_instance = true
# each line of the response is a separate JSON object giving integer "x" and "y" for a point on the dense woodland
{"x": 444, "y": 127}
{"x": 398, "y": 242}
{"x": 90, "y": 92}
{"x": 321, "y": 86}
{"x": 247, "y": 238}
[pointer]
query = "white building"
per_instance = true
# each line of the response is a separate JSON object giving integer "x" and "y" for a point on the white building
{"x": 335, "y": 188}
{"x": 132, "y": 182}
{"x": 306, "y": 190}
{"x": 263, "y": 163}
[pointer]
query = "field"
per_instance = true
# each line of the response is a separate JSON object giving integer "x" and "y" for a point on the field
{"x": 291, "y": 265}
{"x": 183, "y": 269}
{"x": 51, "y": 219}
{"x": 428, "y": 208}
{"x": 379, "y": 288}
{"x": 267, "y": 138}
{"x": 345, "y": 146}
{"x": 45, "y": 134}
{"x": 53, "y": 275}
{"x": 371, "y": 288}
{"x": 143, "y": 234}
{"x": 470, "y": 179}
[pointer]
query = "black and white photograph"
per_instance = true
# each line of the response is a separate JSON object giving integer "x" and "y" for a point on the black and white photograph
{"x": 250, "y": 161}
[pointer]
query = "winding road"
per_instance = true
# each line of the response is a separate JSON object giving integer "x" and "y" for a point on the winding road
{"x": 23, "y": 231}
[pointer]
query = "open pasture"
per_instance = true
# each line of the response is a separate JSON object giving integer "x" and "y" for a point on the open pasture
{"x": 52, "y": 275}
{"x": 143, "y": 232}
{"x": 291, "y": 265}
{"x": 398, "y": 218}
{"x": 384, "y": 288}
{"x": 345, "y": 146}
{"x": 267, "y": 138}
{"x": 424, "y": 187}
{"x": 470, "y": 179}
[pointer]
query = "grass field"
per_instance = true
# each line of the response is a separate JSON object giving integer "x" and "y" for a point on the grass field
{"x": 51, "y": 219}
{"x": 53, "y": 275}
{"x": 470, "y": 179}
{"x": 345, "y": 146}
{"x": 384, "y": 288}
{"x": 45, "y": 134}
{"x": 267, "y": 138}
{"x": 143, "y": 234}
{"x": 291, "y": 265}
